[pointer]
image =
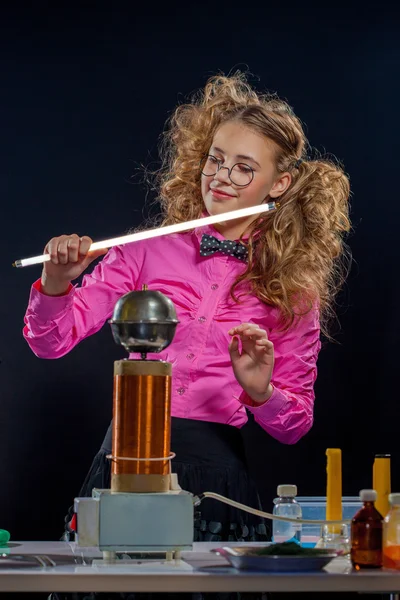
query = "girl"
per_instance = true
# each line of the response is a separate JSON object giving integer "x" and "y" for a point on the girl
{"x": 251, "y": 294}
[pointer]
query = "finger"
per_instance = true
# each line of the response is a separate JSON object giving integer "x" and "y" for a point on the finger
{"x": 89, "y": 258}
{"x": 265, "y": 344}
{"x": 232, "y": 331}
{"x": 234, "y": 349}
{"x": 73, "y": 248}
{"x": 242, "y": 327}
{"x": 256, "y": 333}
{"x": 84, "y": 244}
{"x": 62, "y": 249}
{"x": 52, "y": 249}
{"x": 84, "y": 250}
{"x": 97, "y": 253}
{"x": 253, "y": 334}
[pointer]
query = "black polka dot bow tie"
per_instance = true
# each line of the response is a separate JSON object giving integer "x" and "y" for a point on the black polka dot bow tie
{"x": 210, "y": 244}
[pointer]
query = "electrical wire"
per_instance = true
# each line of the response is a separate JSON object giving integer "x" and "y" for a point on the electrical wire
{"x": 260, "y": 513}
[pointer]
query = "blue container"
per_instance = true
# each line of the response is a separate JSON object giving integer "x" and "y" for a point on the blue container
{"x": 314, "y": 507}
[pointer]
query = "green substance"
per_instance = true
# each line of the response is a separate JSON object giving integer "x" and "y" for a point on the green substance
{"x": 288, "y": 549}
{"x": 4, "y": 537}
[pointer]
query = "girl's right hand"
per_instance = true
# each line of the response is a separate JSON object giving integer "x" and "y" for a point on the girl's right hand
{"x": 69, "y": 257}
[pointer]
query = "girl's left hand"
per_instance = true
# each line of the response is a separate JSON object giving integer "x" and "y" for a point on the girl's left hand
{"x": 254, "y": 365}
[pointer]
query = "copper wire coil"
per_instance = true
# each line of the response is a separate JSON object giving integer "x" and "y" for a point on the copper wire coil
{"x": 142, "y": 423}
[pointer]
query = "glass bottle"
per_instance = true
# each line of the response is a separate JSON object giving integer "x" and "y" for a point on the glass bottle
{"x": 391, "y": 534}
{"x": 366, "y": 534}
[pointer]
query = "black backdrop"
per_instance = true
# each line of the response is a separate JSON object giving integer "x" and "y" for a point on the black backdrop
{"x": 84, "y": 95}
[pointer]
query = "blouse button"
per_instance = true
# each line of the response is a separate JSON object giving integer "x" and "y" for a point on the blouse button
{"x": 202, "y": 319}
{"x": 190, "y": 356}
{"x": 214, "y": 286}
{"x": 181, "y": 391}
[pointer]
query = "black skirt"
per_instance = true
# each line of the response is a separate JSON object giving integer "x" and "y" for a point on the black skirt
{"x": 210, "y": 457}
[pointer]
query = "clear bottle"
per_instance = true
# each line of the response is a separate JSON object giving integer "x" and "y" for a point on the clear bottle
{"x": 366, "y": 534}
{"x": 391, "y": 534}
{"x": 286, "y": 506}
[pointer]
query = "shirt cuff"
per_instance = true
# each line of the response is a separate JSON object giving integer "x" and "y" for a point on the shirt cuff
{"x": 40, "y": 303}
{"x": 268, "y": 409}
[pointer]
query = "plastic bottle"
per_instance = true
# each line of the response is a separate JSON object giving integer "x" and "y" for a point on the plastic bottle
{"x": 366, "y": 534}
{"x": 286, "y": 506}
{"x": 391, "y": 534}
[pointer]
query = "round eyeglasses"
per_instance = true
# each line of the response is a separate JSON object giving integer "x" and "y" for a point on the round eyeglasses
{"x": 240, "y": 174}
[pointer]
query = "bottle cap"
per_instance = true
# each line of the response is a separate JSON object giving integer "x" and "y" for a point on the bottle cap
{"x": 394, "y": 498}
{"x": 287, "y": 490}
{"x": 368, "y": 495}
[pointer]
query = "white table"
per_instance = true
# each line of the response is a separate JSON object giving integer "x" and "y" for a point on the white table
{"x": 200, "y": 571}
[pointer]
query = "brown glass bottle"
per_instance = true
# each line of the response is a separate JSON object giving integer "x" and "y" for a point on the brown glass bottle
{"x": 366, "y": 534}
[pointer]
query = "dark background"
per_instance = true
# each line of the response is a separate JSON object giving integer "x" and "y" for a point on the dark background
{"x": 84, "y": 96}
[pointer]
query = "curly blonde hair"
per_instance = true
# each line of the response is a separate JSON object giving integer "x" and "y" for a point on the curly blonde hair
{"x": 297, "y": 255}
